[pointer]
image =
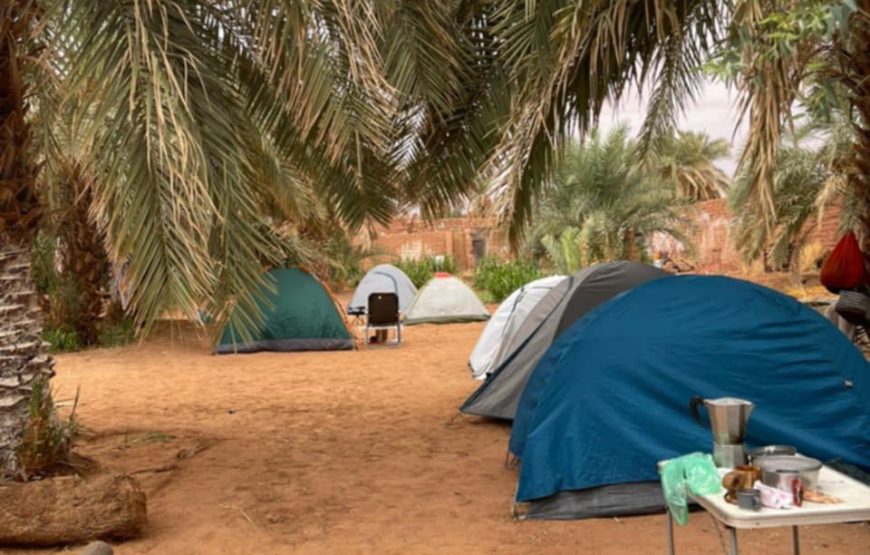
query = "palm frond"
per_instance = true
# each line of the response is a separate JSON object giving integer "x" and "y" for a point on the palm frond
{"x": 570, "y": 58}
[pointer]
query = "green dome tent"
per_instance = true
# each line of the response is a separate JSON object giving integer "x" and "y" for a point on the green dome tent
{"x": 299, "y": 315}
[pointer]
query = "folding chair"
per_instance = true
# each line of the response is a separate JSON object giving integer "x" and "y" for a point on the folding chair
{"x": 384, "y": 315}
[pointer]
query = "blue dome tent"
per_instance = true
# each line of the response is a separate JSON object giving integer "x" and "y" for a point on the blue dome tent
{"x": 611, "y": 396}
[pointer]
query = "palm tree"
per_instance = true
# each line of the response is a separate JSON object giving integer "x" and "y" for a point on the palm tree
{"x": 76, "y": 272}
{"x": 547, "y": 68}
{"x": 602, "y": 205}
{"x": 23, "y": 363}
{"x": 194, "y": 115}
{"x": 811, "y": 173}
{"x": 853, "y": 49}
{"x": 798, "y": 179}
{"x": 195, "y": 121}
{"x": 686, "y": 160}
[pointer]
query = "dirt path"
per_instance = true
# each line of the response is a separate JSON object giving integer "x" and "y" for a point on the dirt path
{"x": 351, "y": 452}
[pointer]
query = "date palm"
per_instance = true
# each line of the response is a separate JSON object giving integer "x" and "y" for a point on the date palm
{"x": 813, "y": 166}
{"x": 195, "y": 116}
{"x": 23, "y": 362}
{"x": 853, "y": 49}
{"x": 602, "y": 205}
{"x": 686, "y": 160}
{"x": 548, "y": 67}
{"x": 799, "y": 177}
{"x": 196, "y": 122}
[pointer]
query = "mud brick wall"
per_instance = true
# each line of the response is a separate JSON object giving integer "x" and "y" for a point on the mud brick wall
{"x": 413, "y": 238}
{"x": 710, "y": 233}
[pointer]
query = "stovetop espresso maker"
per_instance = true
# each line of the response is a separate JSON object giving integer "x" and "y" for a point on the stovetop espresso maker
{"x": 728, "y": 417}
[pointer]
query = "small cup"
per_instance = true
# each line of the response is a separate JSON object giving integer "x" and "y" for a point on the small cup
{"x": 749, "y": 499}
{"x": 753, "y": 471}
{"x": 742, "y": 477}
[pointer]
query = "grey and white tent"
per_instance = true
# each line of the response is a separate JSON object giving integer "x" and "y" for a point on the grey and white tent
{"x": 445, "y": 299}
{"x": 494, "y": 344}
{"x": 383, "y": 278}
{"x": 566, "y": 302}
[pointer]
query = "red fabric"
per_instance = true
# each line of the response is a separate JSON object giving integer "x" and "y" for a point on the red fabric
{"x": 844, "y": 268}
{"x": 442, "y": 274}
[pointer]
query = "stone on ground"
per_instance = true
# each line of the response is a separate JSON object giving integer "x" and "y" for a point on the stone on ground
{"x": 97, "y": 548}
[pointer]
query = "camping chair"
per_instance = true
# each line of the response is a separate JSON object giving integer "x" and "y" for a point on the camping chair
{"x": 384, "y": 314}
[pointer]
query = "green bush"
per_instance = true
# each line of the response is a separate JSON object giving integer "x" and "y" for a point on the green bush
{"x": 420, "y": 271}
{"x": 501, "y": 278}
{"x": 61, "y": 339}
{"x": 64, "y": 339}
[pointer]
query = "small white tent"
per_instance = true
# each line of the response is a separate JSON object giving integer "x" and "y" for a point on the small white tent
{"x": 445, "y": 299}
{"x": 495, "y": 341}
{"x": 383, "y": 278}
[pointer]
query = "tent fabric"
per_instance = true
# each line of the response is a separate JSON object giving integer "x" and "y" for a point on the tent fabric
{"x": 299, "y": 315}
{"x": 383, "y": 278}
{"x": 445, "y": 299}
{"x": 611, "y": 396}
{"x": 617, "y": 500}
{"x": 493, "y": 346}
{"x": 566, "y": 302}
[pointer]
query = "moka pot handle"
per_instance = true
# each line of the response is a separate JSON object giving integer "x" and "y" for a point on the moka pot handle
{"x": 694, "y": 402}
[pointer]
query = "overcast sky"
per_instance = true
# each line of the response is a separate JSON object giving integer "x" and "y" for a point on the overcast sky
{"x": 713, "y": 113}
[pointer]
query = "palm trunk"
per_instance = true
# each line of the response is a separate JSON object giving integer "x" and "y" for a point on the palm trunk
{"x": 854, "y": 72}
{"x": 84, "y": 259}
{"x": 23, "y": 359}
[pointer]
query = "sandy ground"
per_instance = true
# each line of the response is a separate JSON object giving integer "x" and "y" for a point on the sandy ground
{"x": 347, "y": 452}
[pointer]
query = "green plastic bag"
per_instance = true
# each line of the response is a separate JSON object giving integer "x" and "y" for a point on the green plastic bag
{"x": 694, "y": 472}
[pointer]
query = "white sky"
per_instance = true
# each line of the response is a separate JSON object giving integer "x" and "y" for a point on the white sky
{"x": 714, "y": 113}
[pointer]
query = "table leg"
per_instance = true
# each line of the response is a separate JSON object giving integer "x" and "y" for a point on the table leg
{"x": 795, "y": 541}
{"x": 671, "y": 550}
{"x": 732, "y": 544}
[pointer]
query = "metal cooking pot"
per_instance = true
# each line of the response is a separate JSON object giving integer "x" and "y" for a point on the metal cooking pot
{"x": 758, "y": 453}
{"x": 774, "y": 469}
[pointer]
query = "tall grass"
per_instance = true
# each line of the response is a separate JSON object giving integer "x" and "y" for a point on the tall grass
{"x": 500, "y": 278}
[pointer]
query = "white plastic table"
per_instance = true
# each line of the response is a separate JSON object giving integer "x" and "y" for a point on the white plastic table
{"x": 854, "y": 508}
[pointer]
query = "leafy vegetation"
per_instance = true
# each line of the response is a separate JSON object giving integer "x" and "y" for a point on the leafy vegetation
{"x": 70, "y": 324}
{"x": 809, "y": 175}
{"x": 603, "y": 205}
{"x": 481, "y": 93}
{"x": 61, "y": 339}
{"x": 421, "y": 270}
{"x": 686, "y": 161}
{"x": 501, "y": 278}
{"x": 787, "y": 58}
{"x": 47, "y": 438}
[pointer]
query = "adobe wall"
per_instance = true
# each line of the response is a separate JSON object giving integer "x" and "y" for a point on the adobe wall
{"x": 413, "y": 238}
{"x": 710, "y": 232}
{"x": 711, "y": 223}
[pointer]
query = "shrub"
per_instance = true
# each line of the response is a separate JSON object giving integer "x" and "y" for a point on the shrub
{"x": 61, "y": 339}
{"x": 45, "y": 446}
{"x": 501, "y": 278}
{"x": 420, "y": 271}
